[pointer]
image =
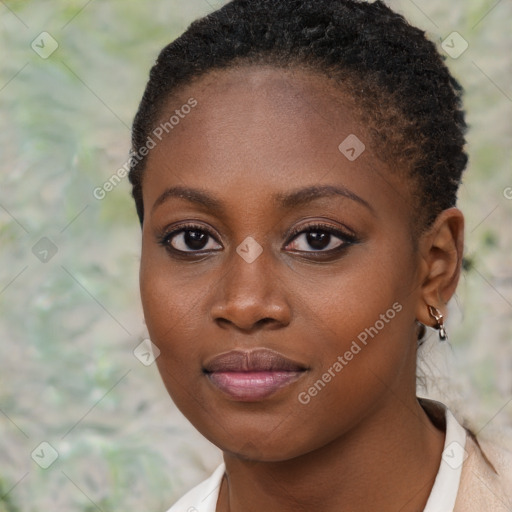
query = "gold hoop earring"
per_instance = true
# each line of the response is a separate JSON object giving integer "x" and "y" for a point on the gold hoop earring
{"x": 436, "y": 314}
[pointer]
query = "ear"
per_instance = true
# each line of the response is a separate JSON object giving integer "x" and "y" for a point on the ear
{"x": 441, "y": 250}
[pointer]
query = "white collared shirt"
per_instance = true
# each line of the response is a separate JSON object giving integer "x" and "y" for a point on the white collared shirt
{"x": 203, "y": 497}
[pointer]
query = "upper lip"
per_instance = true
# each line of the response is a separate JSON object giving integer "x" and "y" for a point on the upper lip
{"x": 251, "y": 361}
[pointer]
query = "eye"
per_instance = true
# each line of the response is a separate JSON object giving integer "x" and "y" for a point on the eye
{"x": 188, "y": 238}
{"x": 320, "y": 238}
{"x": 193, "y": 238}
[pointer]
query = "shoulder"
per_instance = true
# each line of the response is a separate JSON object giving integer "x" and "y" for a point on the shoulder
{"x": 486, "y": 474}
{"x": 203, "y": 497}
{"x": 486, "y": 479}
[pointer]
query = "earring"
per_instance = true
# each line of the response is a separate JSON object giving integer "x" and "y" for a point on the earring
{"x": 436, "y": 314}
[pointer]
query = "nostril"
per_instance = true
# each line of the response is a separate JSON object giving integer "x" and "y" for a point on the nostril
{"x": 264, "y": 321}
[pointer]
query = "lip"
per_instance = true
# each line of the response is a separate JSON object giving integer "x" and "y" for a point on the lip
{"x": 252, "y": 375}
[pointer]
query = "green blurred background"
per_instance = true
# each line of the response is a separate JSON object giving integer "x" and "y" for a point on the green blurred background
{"x": 69, "y": 302}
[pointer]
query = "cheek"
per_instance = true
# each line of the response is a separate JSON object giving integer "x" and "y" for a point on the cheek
{"x": 172, "y": 306}
{"x": 364, "y": 349}
{"x": 173, "y": 319}
{"x": 364, "y": 294}
{"x": 363, "y": 314}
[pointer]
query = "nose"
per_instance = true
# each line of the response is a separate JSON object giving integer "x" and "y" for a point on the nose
{"x": 250, "y": 296}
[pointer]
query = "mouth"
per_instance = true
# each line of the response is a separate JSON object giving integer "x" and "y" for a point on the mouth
{"x": 252, "y": 375}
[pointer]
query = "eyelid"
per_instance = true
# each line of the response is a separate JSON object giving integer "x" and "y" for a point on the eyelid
{"x": 322, "y": 226}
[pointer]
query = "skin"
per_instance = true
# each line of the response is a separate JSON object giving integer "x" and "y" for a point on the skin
{"x": 363, "y": 442}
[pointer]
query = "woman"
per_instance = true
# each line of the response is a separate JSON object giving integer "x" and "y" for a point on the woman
{"x": 295, "y": 171}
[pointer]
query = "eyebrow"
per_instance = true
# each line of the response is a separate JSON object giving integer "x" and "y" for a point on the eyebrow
{"x": 287, "y": 200}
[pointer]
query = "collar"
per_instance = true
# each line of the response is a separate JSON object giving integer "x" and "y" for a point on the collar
{"x": 446, "y": 486}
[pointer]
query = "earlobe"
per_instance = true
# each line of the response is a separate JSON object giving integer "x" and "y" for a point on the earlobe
{"x": 441, "y": 251}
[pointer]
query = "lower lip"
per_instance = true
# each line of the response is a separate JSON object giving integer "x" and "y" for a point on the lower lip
{"x": 252, "y": 386}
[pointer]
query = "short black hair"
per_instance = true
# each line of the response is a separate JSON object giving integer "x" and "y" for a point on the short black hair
{"x": 408, "y": 101}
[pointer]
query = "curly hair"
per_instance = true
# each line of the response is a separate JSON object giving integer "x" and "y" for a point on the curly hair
{"x": 407, "y": 100}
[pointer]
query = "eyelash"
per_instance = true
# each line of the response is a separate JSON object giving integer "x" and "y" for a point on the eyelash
{"x": 347, "y": 239}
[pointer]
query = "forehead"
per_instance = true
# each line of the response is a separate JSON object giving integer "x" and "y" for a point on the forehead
{"x": 251, "y": 104}
{"x": 259, "y": 129}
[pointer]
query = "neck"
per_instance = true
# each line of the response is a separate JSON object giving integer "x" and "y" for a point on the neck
{"x": 371, "y": 467}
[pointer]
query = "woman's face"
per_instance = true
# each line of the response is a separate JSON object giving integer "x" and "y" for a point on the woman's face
{"x": 278, "y": 276}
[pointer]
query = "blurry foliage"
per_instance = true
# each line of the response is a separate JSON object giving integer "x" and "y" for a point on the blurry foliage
{"x": 6, "y": 505}
{"x": 70, "y": 325}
